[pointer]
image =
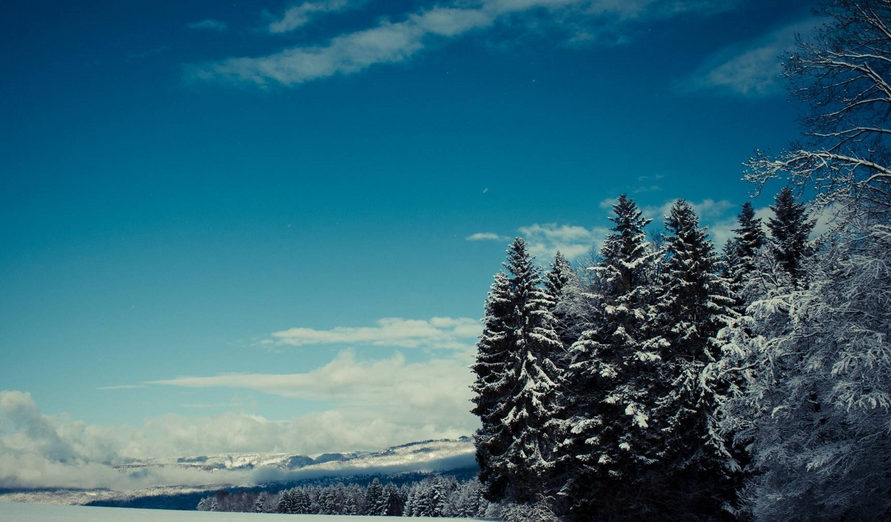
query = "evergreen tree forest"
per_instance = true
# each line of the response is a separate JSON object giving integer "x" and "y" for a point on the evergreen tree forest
{"x": 664, "y": 380}
{"x": 434, "y": 496}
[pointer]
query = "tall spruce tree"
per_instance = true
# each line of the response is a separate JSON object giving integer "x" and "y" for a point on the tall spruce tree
{"x": 260, "y": 504}
{"x": 491, "y": 388}
{"x": 557, "y": 276}
{"x": 740, "y": 253}
{"x": 375, "y": 501}
{"x": 612, "y": 372}
{"x": 749, "y": 237}
{"x": 789, "y": 231}
{"x": 517, "y": 382}
{"x": 697, "y": 477}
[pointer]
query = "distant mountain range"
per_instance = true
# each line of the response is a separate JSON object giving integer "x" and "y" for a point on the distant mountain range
{"x": 271, "y": 471}
{"x": 415, "y": 456}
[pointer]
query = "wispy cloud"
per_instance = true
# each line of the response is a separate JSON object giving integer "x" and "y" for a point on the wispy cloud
{"x": 392, "y": 42}
{"x": 435, "y": 391}
{"x": 122, "y": 387}
{"x": 572, "y": 241}
{"x": 752, "y": 68}
{"x": 210, "y": 25}
{"x": 487, "y": 236}
{"x": 438, "y": 332}
{"x": 607, "y": 203}
{"x": 299, "y": 15}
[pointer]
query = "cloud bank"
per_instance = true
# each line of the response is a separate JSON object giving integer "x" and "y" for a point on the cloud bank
{"x": 546, "y": 239}
{"x": 42, "y": 451}
{"x": 434, "y": 393}
{"x": 370, "y": 405}
{"x": 573, "y": 241}
{"x": 435, "y": 333}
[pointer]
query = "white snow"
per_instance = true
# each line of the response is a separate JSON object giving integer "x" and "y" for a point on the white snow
{"x": 20, "y": 512}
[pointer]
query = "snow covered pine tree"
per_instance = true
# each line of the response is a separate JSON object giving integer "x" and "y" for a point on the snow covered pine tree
{"x": 698, "y": 476}
{"x": 610, "y": 379}
{"x": 742, "y": 251}
{"x": 517, "y": 382}
{"x": 789, "y": 231}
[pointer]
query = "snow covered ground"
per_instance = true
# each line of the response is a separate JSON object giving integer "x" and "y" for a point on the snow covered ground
{"x": 20, "y": 512}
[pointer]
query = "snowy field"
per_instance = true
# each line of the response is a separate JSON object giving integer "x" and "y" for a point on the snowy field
{"x": 21, "y": 512}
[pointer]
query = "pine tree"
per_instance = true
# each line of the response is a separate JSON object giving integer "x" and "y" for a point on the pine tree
{"x": 741, "y": 251}
{"x": 300, "y": 502}
{"x": 411, "y": 501}
{"x": 789, "y": 231}
{"x": 559, "y": 278}
{"x": 283, "y": 502}
{"x": 329, "y": 502}
{"x": 422, "y": 505}
{"x": 260, "y": 504}
{"x": 697, "y": 473}
{"x": 750, "y": 238}
{"x": 375, "y": 503}
{"x": 611, "y": 372}
{"x": 491, "y": 388}
{"x": 394, "y": 501}
{"x": 517, "y": 382}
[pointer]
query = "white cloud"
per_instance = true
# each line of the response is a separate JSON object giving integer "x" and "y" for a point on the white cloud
{"x": 608, "y": 203}
{"x": 431, "y": 393}
{"x": 121, "y": 387}
{"x": 298, "y": 15}
{"x": 572, "y": 241}
{"x": 210, "y": 25}
{"x": 438, "y": 332}
{"x": 708, "y": 209}
{"x": 447, "y": 21}
{"x": 390, "y": 42}
{"x": 721, "y": 231}
{"x": 753, "y": 68}
{"x": 486, "y": 236}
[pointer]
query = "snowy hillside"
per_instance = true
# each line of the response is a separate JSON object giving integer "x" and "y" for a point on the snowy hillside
{"x": 15, "y": 512}
{"x": 422, "y": 453}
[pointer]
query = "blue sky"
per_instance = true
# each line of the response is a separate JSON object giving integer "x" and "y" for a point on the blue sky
{"x": 314, "y": 196}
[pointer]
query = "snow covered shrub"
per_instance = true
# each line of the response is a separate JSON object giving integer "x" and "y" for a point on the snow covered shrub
{"x": 534, "y": 512}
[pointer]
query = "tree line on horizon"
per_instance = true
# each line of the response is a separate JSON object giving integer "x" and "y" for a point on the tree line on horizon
{"x": 436, "y": 496}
